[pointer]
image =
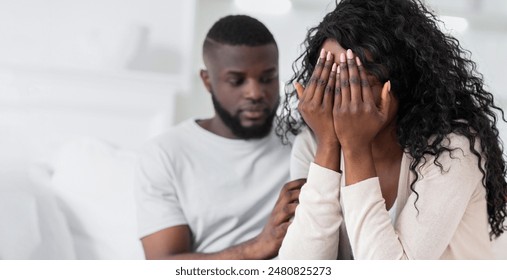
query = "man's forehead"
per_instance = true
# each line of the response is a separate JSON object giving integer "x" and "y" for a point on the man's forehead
{"x": 223, "y": 51}
{"x": 239, "y": 58}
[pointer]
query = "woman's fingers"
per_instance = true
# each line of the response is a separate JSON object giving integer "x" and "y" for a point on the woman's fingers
{"x": 354, "y": 80}
{"x": 312, "y": 85}
{"x": 329, "y": 91}
{"x": 344, "y": 81}
{"x": 367, "y": 94}
{"x": 337, "y": 89}
{"x": 385, "y": 99}
{"x": 323, "y": 79}
{"x": 299, "y": 90}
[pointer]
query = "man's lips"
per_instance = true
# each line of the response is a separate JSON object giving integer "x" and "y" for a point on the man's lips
{"x": 254, "y": 111}
{"x": 253, "y": 114}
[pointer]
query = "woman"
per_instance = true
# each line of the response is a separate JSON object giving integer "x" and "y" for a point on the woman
{"x": 402, "y": 155}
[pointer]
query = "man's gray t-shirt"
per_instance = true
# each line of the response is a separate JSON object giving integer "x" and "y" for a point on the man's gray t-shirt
{"x": 223, "y": 189}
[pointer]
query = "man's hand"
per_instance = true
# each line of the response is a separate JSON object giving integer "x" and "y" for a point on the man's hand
{"x": 175, "y": 242}
{"x": 268, "y": 242}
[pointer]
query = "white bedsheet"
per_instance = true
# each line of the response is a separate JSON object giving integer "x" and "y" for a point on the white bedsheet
{"x": 32, "y": 225}
{"x": 80, "y": 206}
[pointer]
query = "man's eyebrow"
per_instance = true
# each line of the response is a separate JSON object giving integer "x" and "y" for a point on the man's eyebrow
{"x": 235, "y": 73}
{"x": 270, "y": 70}
{"x": 240, "y": 73}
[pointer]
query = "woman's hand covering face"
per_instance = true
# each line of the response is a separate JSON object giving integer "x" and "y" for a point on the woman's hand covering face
{"x": 356, "y": 117}
{"x": 316, "y": 100}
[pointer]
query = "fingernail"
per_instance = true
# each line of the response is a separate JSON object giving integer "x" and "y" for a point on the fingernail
{"x": 338, "y": 70}
{"x": 342, "y": 57}
{"x": 322, "y": 53}
{"x": 333, "y": 68}
{"x": 358, "y": 61}
{"x": 328, "y": 57}
{"x": 350, "y": 55}
{"x": 389, "y": 86}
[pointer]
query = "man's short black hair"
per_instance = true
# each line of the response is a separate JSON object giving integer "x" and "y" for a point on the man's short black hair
{"x": 236, "y": 30}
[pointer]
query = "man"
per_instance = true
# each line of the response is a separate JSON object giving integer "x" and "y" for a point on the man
{"x": 208, "y": 188}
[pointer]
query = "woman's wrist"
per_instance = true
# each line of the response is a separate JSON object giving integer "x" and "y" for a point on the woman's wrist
{"x": 360, "y": 165}
{"x": 357, "y": 151}
{"x": 328, "y": 155}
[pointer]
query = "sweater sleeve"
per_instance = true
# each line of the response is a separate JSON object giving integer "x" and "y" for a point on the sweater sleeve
{"x": 314, "y": 231}
{"x": 430, "y": 217}
{"x": 303, "y": 153}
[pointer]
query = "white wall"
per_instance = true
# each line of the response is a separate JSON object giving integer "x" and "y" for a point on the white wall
{"x": 485, "y": 38}
{"x": 99, "y": 35}
{"x": 107, "y": 69}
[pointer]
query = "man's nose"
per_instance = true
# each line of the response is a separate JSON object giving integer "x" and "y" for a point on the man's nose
{"x": 254, "y": 91}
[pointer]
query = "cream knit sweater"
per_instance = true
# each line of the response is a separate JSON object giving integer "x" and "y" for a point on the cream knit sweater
{"x": 448, "y": 221}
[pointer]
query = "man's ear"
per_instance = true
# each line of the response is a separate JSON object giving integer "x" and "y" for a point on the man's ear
{"x": 206, "y": 79}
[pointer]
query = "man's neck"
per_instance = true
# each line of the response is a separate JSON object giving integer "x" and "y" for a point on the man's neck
{"x": 216, "y": 126}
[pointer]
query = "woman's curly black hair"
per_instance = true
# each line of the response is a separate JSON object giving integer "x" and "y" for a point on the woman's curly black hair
{"x": 436, "y": 84}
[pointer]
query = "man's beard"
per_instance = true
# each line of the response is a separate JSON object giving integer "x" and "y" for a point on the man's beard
{"x": 233, "y": 122}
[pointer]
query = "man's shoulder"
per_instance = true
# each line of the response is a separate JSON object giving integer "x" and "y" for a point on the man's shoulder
{"x": 179, "y": 129}
{"x": 174, "y": 135}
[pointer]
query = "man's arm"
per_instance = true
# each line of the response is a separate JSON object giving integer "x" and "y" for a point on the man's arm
{"x": 175, "y": 242}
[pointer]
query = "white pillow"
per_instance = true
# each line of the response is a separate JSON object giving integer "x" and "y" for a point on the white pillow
{"x": 32, "y": 226}
{"x": 94, "y": 181}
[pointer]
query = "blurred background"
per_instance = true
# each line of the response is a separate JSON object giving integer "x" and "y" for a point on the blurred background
{"x": 84, "y": 83}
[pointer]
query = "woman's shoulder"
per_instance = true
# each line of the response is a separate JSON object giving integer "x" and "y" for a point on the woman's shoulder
{"x": 454, "y": 149}
{"x": 454, "y": 141}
